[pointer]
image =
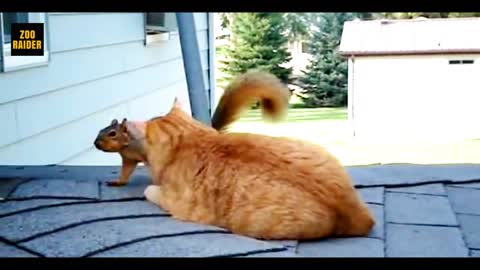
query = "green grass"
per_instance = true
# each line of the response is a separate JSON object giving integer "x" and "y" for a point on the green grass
{"x": 329, "y": 128}
{"x": 301, "y": 115}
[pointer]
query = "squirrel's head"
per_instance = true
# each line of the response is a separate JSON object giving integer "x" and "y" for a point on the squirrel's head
{"x": 114, "y": 137}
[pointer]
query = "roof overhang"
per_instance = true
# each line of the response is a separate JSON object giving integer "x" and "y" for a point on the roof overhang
{"x": 411, "y": 52}
{"x": 410, "y": 37}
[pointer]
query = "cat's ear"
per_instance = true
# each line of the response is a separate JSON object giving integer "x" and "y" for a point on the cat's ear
{"x": 177, "y": 105}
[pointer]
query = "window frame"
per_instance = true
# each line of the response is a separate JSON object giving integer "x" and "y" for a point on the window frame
{"x": 10, "y": 63}
{"x": 461, "y": 61}
{"x": 154, "y": 34}
{"x": 16, "y": 14}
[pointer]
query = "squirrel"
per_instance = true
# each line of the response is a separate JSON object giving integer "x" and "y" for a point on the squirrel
{"x": 127, "y": 137}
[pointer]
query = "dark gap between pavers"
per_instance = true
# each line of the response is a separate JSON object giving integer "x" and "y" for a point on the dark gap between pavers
{"x": 471, "y": 186}
{"x": 11, "y": 207}
{"x": 426, "y": 189}
{"x": 26, "y": 224}
{"x": 11, "y": 251}
{"x": 92, "y": 238}
{"x": 8, "y": 185}
{"x": 57, "y": 188}
{"x": 194, "y": 245}
{"x": 372, "y": 195}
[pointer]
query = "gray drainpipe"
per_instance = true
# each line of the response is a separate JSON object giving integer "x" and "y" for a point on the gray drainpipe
{"x": 193, "y": 67}
{"x": 2, "y": 55}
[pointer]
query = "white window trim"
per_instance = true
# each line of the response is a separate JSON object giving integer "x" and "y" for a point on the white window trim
{"x": 12, "y": 63}
{"x": 160, "y": 34}
{"x": 156, "y": 38}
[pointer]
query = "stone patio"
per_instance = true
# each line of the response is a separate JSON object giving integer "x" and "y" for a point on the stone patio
{"x": 68, "y": 211}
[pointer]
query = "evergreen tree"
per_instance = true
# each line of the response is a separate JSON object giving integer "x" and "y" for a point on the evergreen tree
{"x": 367, "y": 15}
{"x": 257, "y": 42}
{"x": 296, "y": 25}
{"x": 324, "y": 81}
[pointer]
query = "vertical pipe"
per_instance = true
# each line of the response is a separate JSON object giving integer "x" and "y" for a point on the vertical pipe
{"x": 211, "y": 62}
{"x": 2, "y": 52}
{"x": 193, "y": 67}
{"x": 351, "y": 94}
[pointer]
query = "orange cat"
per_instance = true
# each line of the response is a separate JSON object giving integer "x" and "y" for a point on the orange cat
{"x": 254, "y": 185}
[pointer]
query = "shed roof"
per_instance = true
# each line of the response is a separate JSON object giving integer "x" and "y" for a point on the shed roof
{"x": 416, "y": 36}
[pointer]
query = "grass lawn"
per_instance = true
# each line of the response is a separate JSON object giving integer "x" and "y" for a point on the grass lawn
{"x": 296, "y": 115}
{"x": 329, "y": 128}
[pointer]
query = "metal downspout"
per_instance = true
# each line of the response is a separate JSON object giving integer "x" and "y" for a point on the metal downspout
{"x": 199, "y": 103}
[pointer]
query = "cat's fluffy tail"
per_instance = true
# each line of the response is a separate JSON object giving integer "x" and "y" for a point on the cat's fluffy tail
{"x": 252, "y": 86}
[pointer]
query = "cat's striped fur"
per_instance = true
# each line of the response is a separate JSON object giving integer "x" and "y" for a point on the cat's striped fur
{"x": 254, "y": 185}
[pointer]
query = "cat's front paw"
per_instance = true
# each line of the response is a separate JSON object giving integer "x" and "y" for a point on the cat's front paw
{"x": 153, "y": 194}
{"x": 116, "y": 183}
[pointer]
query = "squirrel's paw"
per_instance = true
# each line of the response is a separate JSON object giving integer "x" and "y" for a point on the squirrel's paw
{"x": 116, "y": 183}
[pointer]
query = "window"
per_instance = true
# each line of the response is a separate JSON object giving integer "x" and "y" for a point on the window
{"x": 9, "y": 62}
{"x": 11, "y": 17}
{"x": 460, "y": 62}
{"x": 159, "y": 25}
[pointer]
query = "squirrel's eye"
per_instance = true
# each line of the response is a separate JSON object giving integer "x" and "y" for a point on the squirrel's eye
{"x": 112, "y": 133}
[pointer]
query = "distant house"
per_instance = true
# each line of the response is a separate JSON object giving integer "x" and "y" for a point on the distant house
{"x": 96, "y": 67}
{"x": 413, "y": 79}
{"x": 301, "y": 56}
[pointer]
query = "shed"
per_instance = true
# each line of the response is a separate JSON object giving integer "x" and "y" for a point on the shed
{"x": 413, "y": 79}
{"x": 96, "y": 67}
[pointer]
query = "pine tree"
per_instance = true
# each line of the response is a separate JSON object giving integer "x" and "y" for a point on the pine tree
{"x": 296, "y": 25}
{"x": 324, "y": 81}
{"x": 258, "y": 42}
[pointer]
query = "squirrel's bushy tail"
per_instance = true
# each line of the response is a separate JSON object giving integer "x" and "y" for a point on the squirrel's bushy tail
{"x": 252, "y": 86}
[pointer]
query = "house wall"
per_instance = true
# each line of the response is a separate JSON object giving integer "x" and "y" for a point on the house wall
{"x": 300, "y": 59}
{"x": 99, "y": 69}
{"x": 414, "y": 97}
